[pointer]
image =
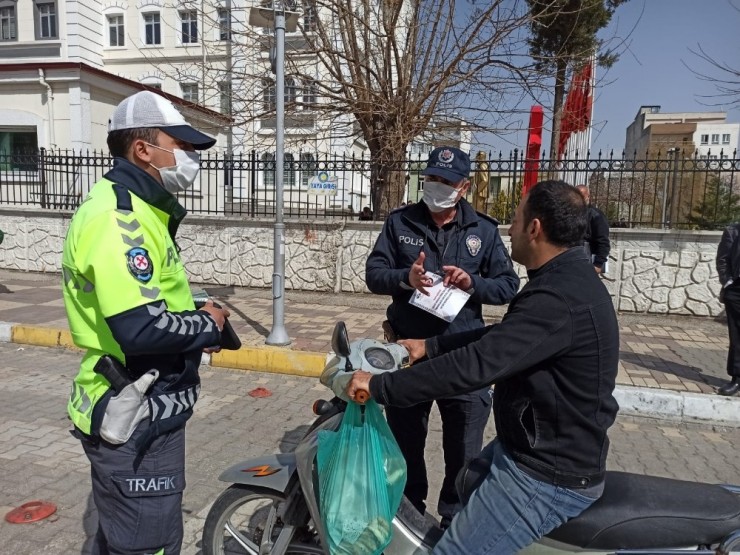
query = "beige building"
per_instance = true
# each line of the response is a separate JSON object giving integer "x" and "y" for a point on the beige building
{"x": 706, "y": 134}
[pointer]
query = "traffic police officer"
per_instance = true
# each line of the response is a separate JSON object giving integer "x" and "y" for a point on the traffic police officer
{"x": 446, "y": 236}
{"x": 129, "y": 306}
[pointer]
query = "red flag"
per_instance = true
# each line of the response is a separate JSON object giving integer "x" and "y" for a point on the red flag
{"x": 584, "y": 119}
{"x": 534, "y": 144}
{"x": 577, "y": 107}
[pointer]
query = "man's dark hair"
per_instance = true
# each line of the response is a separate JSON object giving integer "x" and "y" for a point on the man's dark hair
{"x": 120, "y": 141}
{"x": 561, "y": 210}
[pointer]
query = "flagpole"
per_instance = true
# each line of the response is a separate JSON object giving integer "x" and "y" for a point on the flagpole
{"x": 593, "y": 98}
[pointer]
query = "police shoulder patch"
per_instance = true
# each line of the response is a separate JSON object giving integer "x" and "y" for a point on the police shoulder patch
{"x": 139, "y": 264}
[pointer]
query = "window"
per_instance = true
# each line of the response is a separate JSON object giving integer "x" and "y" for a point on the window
{"x": 705, "y": 139}
{"x": 46, "y": 20}
{"x": 157, "y": 86}
{"x": 115, "y": 30}
{"x": 189, "y": 92}
{"x": 715, "y": 138}
{"x": 189, "y": 26}
{"x": 310, "y": 93}
{"x": 152, "y": 28}
{"x": 288, "y": 170}
{"x": 224, "y": 91}
{"x": 269, "y": 95}
{"x": 8, "y": 23}
{"x": 419, "y": 149}
{"x": 310, "y": 21}
{"x": 291, "y": 90}
{"x": 18, "y": 149}
{"x": 726, "y": 139}
{"x": 268, "y": 169}
{"x": 224, "y": 24}
{"x": 309, "y": 168}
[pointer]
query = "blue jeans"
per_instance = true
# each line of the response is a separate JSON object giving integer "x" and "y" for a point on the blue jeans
{"x": 509, "y": 511}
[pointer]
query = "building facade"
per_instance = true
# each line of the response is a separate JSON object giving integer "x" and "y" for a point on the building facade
{"x": 704, "y": 134}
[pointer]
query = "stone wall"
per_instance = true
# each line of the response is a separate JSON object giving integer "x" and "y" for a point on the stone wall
{"x": 665, "y": 272}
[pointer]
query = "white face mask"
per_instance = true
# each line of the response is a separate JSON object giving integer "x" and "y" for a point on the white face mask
{"x": 439, "y": 196}
{"x": 181, "y": 176}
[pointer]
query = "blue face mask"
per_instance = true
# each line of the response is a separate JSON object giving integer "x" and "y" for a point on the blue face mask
{"x": 439, "y": 196}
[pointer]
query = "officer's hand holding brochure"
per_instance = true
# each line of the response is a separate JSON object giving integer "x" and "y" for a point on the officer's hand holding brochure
{"x": 229, "y": 340}
{"x": 443, "y": 302}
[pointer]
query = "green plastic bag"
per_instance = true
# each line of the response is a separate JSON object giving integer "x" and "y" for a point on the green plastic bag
{"x": 361, "y": 474}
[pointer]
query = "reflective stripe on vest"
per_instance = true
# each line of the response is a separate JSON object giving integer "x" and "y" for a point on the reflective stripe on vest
{"x": 168, "y": 405}
{"x": 79, "y": 399}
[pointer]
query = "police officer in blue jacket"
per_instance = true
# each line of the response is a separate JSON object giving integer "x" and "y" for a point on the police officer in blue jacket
{"x": 446, "y": 236}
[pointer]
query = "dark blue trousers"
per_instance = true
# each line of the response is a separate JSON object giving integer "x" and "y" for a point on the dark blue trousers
{"x": 138, "y": 496}
{"x": 732, "y": 308}
{"x": 464, "y": 419}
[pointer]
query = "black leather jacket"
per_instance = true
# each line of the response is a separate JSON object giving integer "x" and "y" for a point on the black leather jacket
{"x": 728, "y": 255}
{"x": 553, "y": 360}
{"x": 596, "y": 239}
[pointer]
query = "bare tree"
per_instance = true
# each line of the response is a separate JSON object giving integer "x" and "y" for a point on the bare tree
{"x": 628, "y": 196}
{"x": 724, "y": 77}
{"x": 398, "y": 66}
{"x": 383, "y": 70}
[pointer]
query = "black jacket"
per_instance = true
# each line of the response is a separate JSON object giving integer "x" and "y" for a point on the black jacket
{"x": 472, "y": 242}
{"x": 554, "y": 361}
{"x": 597, "y": 236}
{"x": 728, "y": 255}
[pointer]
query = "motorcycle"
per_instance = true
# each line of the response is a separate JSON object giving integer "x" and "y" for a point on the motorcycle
{"x": 271, "y": 505}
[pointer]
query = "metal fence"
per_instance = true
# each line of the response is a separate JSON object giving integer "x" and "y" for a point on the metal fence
{"x": 661, "y": 190}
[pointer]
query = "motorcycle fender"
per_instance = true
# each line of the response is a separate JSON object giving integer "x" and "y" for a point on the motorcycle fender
{"x": 271, "y": 471}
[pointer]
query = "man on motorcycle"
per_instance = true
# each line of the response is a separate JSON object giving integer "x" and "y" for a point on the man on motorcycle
{"x": 553, "y": 360}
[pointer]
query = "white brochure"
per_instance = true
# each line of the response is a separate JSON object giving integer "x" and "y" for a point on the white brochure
{"x": 443, "y": 302}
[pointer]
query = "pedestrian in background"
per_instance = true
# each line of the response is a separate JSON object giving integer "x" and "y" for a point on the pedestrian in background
{"x": 366, "y": 214}
{"x": 445, "y": 235}
{"x": 129, "y": 306}
{"x": 596, "y": 241}
{"x": 728, "y": 268}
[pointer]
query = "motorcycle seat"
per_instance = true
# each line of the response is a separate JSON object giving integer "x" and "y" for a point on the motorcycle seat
{"x": 647, "y": 512}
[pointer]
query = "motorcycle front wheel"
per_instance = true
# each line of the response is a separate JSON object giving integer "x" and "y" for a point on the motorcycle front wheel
{"x": 245, "y": 520}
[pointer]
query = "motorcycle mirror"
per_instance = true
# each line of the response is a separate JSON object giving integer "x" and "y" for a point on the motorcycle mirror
{"x": 340, "y": 339}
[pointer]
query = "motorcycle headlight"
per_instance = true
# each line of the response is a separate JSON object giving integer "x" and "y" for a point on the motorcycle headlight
{"x": 380, "y": 358}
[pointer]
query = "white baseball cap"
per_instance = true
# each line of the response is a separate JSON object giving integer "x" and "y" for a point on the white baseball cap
{"x": 148, "y": 109}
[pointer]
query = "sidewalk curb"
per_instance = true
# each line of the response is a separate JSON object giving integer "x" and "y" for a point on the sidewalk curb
{"x": 678, "y": 406}
{"x": 633, "y": 401}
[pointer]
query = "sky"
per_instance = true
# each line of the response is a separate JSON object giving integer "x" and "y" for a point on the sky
{"x": 654, "y": 37}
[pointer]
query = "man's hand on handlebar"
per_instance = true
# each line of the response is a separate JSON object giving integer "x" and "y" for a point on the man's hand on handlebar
{"x": 417, "y": 348}
{"x": 359, "y": 385}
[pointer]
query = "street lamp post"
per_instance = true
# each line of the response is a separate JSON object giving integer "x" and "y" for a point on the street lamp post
{"x": 278, "y": 17}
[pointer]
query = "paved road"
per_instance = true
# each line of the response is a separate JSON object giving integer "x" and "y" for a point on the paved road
{"x": 40, "y": 460}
